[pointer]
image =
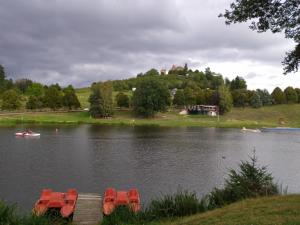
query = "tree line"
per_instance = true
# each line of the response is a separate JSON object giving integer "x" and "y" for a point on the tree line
{"x": 154, "y": 92}
{"x": 36, "y": 95}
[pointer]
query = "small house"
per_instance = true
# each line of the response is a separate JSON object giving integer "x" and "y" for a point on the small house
{"x": 210, "y": 110}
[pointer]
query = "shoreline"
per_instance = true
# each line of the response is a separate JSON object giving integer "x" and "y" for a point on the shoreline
{"x": 271, "y": 116}
{"x": 75, "y": 118}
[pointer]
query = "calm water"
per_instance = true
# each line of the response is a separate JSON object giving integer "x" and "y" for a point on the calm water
{"x": 155, "y": 160}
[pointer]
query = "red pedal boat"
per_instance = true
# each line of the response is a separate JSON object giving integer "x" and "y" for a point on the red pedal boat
{"x": 112, "y": 199}
{"x": 64, "y": 202}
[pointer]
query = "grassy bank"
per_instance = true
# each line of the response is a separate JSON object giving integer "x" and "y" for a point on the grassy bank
{"x": 237, "y": 118}
{"x": 279, "y": 210}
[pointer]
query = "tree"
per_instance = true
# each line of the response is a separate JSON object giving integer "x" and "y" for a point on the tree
{"x": 70, "y": 99}
{"x": 298, "y": 93}
{"x": 273, "y": 15}
{"x": 249, "y": 181}
{"x": 225, "y": 99}
{"x": 291, "y": 95}
{"x": 238, "y": 83}
{"x": 189, "y": 96}
{"x": 10, "y": 100}
{"x": 256, "y": 101}
{"x": 101, "y": 100}
{"x": 23, "y": 84}
{"x": 152, "y": 72}
{"x": 200, "y": 97}
{"x": 179, "y": 99}
{"x": 122, "y": 100}
{"x": 278, "y": 96}
{"x": 35, "y": 89}
{"x": 185, "y": 69}
{"x": 53, "y": 97}
{"x": 239, "y": 97}
{"x": 2, "y": 79}
{"x": 34, "y": 102}
{"x": 265, "y": 96}
{"x": 151, "y": 96}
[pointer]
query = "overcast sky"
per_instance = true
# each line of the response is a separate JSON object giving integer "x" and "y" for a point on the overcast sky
{"x": 82, "y": 41}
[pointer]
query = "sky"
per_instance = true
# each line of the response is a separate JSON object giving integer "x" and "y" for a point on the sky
{"x": 82, "y": 41}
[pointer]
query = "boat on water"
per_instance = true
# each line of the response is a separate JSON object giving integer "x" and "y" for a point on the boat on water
{"x": 62, "y": 202}
{"x": 266, "y": 129}
{"x": 27, "y": 133}
{"x": 112, "y": 199}
{"x": 244, "y": 129}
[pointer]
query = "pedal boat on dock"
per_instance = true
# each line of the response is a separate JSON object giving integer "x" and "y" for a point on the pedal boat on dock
{"x": 112, "y": 199}
{"x": 62, "y": 202}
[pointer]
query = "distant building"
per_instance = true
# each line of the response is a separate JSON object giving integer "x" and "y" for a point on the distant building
{"x": 176, "y": 68}
{"x": 163, "y": 72}
{"x": 210, "y": 110}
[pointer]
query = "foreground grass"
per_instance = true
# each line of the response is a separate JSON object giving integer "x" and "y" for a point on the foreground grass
{"x": 9, "y": 216}
{"x": 237, "y": 118}
{"x": 279, "y": 210}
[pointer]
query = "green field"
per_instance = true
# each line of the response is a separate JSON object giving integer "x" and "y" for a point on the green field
{"x": 83, "y": 95}
{"x": 279, "y": 210}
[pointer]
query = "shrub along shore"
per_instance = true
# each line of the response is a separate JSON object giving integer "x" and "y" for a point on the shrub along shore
{"x": 269, "y": 116}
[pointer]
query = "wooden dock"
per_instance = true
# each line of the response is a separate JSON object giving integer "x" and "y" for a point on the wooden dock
{"x": 88, "y": 209}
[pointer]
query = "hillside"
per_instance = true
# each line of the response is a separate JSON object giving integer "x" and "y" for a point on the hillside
{"x": 280, "y": 210}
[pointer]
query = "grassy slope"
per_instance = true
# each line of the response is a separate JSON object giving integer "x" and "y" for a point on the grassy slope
{"x": 84, "y": 93}
{"x": 262, "y": 211}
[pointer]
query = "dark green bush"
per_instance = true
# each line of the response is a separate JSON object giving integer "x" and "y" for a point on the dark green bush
{"x": 249, "y": 182}
{"x": 123, "y": 216}
{"x": 180, "y": 204}
{"x": 9, "y": 216}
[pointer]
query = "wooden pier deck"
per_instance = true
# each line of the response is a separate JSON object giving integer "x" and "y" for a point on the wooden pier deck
{"x": 88, "y": 209}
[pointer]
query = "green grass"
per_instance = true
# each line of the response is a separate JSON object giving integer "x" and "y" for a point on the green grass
{"x": 10, "y": 216}
{"x": 237, "y": 118}
{"x": 279, "y": 210}
{"x": 83, "y": 95}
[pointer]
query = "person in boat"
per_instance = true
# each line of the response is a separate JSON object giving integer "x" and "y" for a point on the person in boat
{"x": 28, "y": 131}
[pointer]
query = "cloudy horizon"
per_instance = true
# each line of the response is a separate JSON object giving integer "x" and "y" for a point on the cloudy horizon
{"x": 79, "y": 42}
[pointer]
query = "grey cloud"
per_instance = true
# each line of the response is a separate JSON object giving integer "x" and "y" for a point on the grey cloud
{"x": 251, "y": 75}
{"x": 74, "y": 41}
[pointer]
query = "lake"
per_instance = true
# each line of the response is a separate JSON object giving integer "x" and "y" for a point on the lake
{"x": 155, "y": 160}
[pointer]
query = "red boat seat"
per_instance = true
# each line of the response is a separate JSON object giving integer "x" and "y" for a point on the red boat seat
{"x": 110, "y": 192}
{"x": 72, "y": 191}
{"x": 45, "y": 196}
{"x": 133, "y": 195}
{"x": 57, "y": 200}
{"x": 108, "y": 199}
{"x": 122, "y": 198}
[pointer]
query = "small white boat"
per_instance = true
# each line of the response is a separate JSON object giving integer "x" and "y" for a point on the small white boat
{"x": 244, "y": 129}
{"x": 27, "y": 134}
